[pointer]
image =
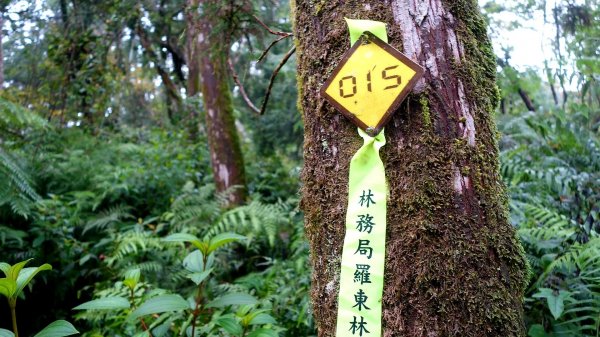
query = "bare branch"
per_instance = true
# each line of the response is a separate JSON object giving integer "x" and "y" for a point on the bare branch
{"x": 242, "y": 90}
{"x": 264, "y": 53}
{"x": 263, "y": 107}
{"x": 269, "y": 29}
{"x": 286, "y": 57}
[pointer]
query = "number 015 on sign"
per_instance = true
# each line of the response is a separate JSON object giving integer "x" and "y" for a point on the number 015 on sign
{"x": 370, "y": 82}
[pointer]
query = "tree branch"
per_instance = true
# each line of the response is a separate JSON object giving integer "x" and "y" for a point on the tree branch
{"x": 264, "y": 53}
{"x": 242, "y": 90}
{"x": 263, "y": 106}
{"x": 286, "y": 57}
{"x": 269, "y": 29}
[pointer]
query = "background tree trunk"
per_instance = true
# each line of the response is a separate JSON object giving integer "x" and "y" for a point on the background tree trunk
{"x": 1, "y": 49}
{"x": 225, "y": 152}
{"x": 454, "y": 266}
{"x": 192, "y": 60}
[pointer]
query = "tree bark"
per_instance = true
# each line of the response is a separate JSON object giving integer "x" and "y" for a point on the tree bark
{"x": 193, "y": 61}
{"x": 454, "y": 266}
{"x": 1, "y": 50}
{"x": 526, "y": 100}
{"x": 225, "y": 152}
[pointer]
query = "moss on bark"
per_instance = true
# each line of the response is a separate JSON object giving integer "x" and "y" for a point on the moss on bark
{"x": 454, "y": 266}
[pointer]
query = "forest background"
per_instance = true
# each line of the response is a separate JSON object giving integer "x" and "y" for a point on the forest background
{"x": 105, "y": 168}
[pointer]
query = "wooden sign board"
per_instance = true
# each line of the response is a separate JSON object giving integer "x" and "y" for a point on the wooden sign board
{"x": 370, "y": 82}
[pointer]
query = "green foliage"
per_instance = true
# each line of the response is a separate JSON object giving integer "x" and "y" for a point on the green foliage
{"x": 180, "y": 316}
{"x": 16, "y": 186}
{"x": 551, "y": 163}
{"x": 58, "y": 329}
{"x": 17, "y": 277}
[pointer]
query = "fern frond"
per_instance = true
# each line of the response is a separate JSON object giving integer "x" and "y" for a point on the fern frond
{"x": 254, "y": 220}
{"x": 108, "y": 217}
{"x": 14, "y": 117}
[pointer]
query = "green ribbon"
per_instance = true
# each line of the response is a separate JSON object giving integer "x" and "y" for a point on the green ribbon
{"x": 363, "y": 256}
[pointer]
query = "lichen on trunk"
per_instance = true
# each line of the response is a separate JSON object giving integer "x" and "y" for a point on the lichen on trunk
{"x": 224, "y": 145}
{"x": 454, "y": 266}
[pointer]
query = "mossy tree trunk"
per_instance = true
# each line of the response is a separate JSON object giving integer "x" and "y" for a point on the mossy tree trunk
{"x": 225, "y": 153}
{"x": 454, "y": 266}
{"x": 1, "y": 49}
{"x": 192, "y": 60}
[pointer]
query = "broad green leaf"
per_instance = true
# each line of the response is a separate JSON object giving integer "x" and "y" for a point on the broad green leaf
{"x": 194, "y": 262}
{"x": 13, "y": 271}
{"x": 556, "y": 304}
{"x": 199, "y": 277}
{"x": 554, "y": 299}
{"x": 184, "y": 237}
{"x": 6, "y": 333}
{"x": 5, "y": 267}
{"x": 160, "y": 304}
{"x": 106, "y": 303}
{"x": 232, "y": 299}
{"x": 58, "y": 329}
{"x": 27, "y": 274}
{"x": 263, "y": 333}
{"x": 223, "y": 239}
{"x": 181, "y": 237}
{"x": 537, "y": 330}
{"x": 132, "y": 277}
{"x": 8, "y": 287}
{"x": 263, "y": 318}
{"x": 230, "y": 324}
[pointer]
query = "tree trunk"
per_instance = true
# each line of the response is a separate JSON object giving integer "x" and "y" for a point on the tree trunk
{"x": 454, "y": 266}
{"x": 193, "y": 61}
{"x": 225, "y": 152}
{"x": 1, "y": 50}
{"x": 526, "y": 100}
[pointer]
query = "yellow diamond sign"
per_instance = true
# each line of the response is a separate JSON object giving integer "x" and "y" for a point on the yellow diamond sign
{"x": 370, "y": 82}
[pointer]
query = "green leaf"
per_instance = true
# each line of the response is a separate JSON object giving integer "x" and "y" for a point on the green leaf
{"x": 194, "y": 262}
{"x": 181, "y": 237}
{"x": 13, "y": 272}
{"x": 262, "y": 319}
{"x": 27, "y": 274}
{"x": 230, "y": 324}
{"x": 106, "y": 303}
{"x": 5, "y": 267}
{"x": 199, "y": 277}
{"x": 556, "y": 304}
{"x": 58, "y": 329}
{"x": 160, "y": 304}
{"x": 132, "y": 277}
{"x": 263, "y": 333}
{"x": 554, "y": 299}
{"x": 8, "y": 287}
{"x": 537, "y": 330}
{"x": 6, "y": 333}
{"x": 184, "y": 237}
{"x": 223, "y": 239}
{"x": 233, "y": 299}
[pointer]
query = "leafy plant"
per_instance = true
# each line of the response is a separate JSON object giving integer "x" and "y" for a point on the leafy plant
{"x": 17, "y": 277}
{"x": 551, "y": 163}
{"x": 198, "y": 315}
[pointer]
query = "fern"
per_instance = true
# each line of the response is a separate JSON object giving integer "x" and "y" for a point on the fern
{"x": 195, "y": 207}
{"x": 14, "y": 117}
{"x": 108, "y": 217}
{"x": 255, "y": 220}
{"x": 132, "y": 243}
{"x": 16, "y": 187}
